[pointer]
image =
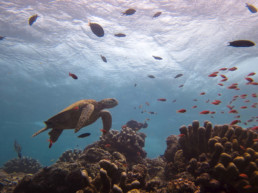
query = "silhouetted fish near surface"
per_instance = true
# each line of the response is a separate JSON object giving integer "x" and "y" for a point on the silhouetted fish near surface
{"x": 32, "y": 19}
{"x": 96, "y": 29}
{"x": 179, "y": 75}
{"x": 103, "y": 58}
{"x": 157, "y": 14}
{"x": 120, "y": 35}
{"x": 1, "y": 37}
{"x": 17, "y": 148}
{"x": 129, "y": 12}
{"x": 157, "y": 57}
{"x": 241, "y": 43}
{"x": 73, "y": 75}
{"x": 84, "y": 135}
{"x": 151, "y": 76}
{"x": 251, "y": 8}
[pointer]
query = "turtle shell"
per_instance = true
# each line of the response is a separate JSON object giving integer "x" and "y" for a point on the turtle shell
{"x": 69, "y": 117}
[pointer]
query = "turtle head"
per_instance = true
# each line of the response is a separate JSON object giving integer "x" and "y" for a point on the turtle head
{"x": 109, "y": 103}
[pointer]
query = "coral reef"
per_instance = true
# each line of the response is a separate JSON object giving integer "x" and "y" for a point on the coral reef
{"x": 222, "y": 158}
{"x": 127, "y": 141}
{"x": 70, "y": 156}
{"x": 201, "y": 159}
{"x": 24, "y": 164}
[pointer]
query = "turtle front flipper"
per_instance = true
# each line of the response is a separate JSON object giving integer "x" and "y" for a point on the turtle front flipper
{"x": 54, "y": 135}
{"x": 106, "y": 120}
{"x": 85, "y": 115}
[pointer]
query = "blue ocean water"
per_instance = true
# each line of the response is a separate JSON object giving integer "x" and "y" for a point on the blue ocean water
{"x": 191, "y": 36}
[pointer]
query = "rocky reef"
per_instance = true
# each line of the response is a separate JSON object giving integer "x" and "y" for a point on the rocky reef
{"x": 24, "y": 165}
{"x": 201, "y": 159}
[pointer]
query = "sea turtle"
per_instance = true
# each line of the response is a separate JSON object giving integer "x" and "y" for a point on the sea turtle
{"x": 78, "y": 115}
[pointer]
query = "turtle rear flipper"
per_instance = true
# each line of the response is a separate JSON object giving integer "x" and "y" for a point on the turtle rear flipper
{"x": 85, "y": 115}
{"x": 41, "y": 130}
{"x": 54, "y": 134}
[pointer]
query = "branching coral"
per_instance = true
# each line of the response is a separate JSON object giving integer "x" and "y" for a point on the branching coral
{"x": 223, "y": 153}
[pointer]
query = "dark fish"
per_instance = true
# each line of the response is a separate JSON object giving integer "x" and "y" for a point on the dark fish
{"x": 103, "y": 58}
{"x": 157, "y": 57}
{"x": 1, "y": 37}
{"x": 97, "y": 29}
{"x": 120, "y": 35}
{"x": 179, "y": 75}
{"x": 157, "y": 14}
{"x": 32, "y": 19}
{"x": 241, "y": 43}
{"x": 181, "y": 86}
{"x": 73, "y": 75}
{"x": 151, "y": 76}
{"x": 84, "y": 135}
{"x": 17, "y": 148}
{"x": 129, "y": 12}
{"x": 135, "y": 85}
{"x": 251, "y": 8}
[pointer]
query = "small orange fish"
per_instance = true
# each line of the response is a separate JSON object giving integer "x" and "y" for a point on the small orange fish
{"x": 233, "y": 111}
{"x": 255, "y": 140}
{"x": 194, "y": 106}
{"x": 237, "y": 116}
{"x": 123, "y": 126}
{"x": 254, "y": 83}
{"x": 162, "y": 99}
{"x": 243, "y": 96}
{"x": 219, "y": 94}
{"x": 248, "y": 186}
{"x": 232, "y": 87}
{"x": 249, "y": 79}
{"x": 243, "y": 176}
{"x": 242, "y": 147}
{"x": 230, "y": 107}
{"x": 148, "y": 104}
{"x": 232, "y": 69}
{"x": 220, "y": 84}
{"x": 212, "y": 75}
{"x": 216, "y": 102}
{"x": 212, "y": 112}
{"x": 181, "y": 111}
{"x": 223, "y": 80}
{"x": 255, "y": 128}
{"x": 223, "y": 69}
{"x": 251, "y": 74}
{"x": 181, "y": 135}
{"x": 205, "y": 112}
{"x": 202, "y": 93}
{"x": 243, "y": 107}
{"x": 73, "y": 75}
{"x": 174, "y": 101}
{"x": 223, "y": 76}
{"x": 108, "y": 145}
{"x": 254, "y": 95}
{"x": 235, "y": 122}
{"x": 103, "y": 131}
{"x": 247, "y": 101}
